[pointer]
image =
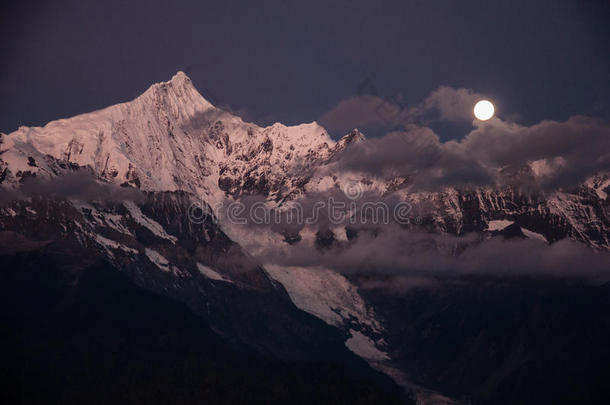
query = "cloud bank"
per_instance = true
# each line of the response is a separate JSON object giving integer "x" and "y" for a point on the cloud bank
{"x": 77, "y": 185}
{"x": 552, "y": 153}
{"x": 394, "y": 251}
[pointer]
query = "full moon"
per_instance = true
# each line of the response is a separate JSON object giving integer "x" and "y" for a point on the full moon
{"x": 484, "y": 110}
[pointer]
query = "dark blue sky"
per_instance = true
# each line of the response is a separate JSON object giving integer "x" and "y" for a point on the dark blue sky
{"x": 293, "y": 61}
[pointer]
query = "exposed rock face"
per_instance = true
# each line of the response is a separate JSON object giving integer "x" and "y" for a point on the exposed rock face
{"x": 579, "y": 214}
{"x": 154, "y": 242}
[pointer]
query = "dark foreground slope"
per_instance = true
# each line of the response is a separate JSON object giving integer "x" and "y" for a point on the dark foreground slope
{"x": 504, "y": 340}
{"x": 90, "y": 335}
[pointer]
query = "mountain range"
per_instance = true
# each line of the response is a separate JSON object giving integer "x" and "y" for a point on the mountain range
{"x": 129, "y": 208}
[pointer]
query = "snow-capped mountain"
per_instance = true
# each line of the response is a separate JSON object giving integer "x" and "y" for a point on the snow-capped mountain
{"x": 173, "y": 145}
{"x": 178, "y": 149}
{"x": 168, "y": 139}
{"x": 172, "y": 139}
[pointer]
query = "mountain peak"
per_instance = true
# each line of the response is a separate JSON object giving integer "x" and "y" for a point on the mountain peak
{"x": 180, "y": 79}
{"x": 180, "y": 75}
{"x": 179, "y": 89}
{"x": 355, "y": 136}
